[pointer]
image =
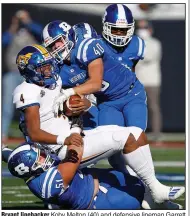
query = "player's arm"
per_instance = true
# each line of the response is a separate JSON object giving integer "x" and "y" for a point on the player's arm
{"x": 90, "y": 55}
{"x": 94, "y": 83}
{"x": 36, "y": 134}
{"x": 69, "y": 166}
{"x": 32, "y": 119}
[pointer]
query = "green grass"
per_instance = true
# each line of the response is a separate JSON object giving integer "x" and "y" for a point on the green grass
{"x": 14, "y": 191}
{"x": 168, "y": 154}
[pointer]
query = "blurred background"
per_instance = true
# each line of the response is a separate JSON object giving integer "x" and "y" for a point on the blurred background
{"x": 162, "y": 26}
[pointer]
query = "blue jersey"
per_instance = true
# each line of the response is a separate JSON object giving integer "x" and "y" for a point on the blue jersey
{"x": 72, "y": 75}
{"x": 49, "y": 187}
{"x": 116, "y": 190}
{"x": 128, "y": 54}
{"x": 117, "y": 78}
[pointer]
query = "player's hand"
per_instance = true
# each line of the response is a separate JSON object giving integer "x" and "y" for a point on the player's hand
{"x": 82, "y": 105}
{"x": 58, "y": 102}
{"x": 74, "y": 139}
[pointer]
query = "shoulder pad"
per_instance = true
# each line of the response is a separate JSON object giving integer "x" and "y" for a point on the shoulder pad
{"x": 89, "y": 50}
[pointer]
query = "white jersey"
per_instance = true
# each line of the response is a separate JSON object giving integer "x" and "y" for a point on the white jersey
{"x": 28, "y": 94}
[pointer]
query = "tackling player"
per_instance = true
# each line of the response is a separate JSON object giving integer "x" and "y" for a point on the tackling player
{"x": 62, "y": 183}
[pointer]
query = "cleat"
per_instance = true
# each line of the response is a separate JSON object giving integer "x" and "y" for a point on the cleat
{"x": 163, "y": 193}
{"x": 176, "y": 192}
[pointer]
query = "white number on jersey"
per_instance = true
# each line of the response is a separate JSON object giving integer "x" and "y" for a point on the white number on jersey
{"x": 105, "y": 85}
{"x": 21, "y": 169}
{"x": 59, "y": 183}
{"x": 98, "y": 49}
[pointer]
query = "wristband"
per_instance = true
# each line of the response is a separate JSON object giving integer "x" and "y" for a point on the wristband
{"x": 76, "y": 129}
{"x": 69, "y": 92}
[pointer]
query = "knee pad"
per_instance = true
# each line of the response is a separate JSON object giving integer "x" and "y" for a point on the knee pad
{"x": 136, "y": 131}
{"x": 121, "y": 136}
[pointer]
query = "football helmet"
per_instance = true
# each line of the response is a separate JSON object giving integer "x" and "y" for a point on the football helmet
{"x": 118, "y": 17}
{"x": 58, "y": 31}
{"x": 31, "y": 160}
{"x": 84, "y": 30}
{"x": 37, "y": 66}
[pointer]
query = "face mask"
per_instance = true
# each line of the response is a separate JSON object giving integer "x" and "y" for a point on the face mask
{"x": 143, "y": 33}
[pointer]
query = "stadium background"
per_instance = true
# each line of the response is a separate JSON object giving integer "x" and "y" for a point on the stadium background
{"x": 169, "y": 27}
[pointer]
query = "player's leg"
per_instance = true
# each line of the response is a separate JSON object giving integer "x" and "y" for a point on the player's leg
{"x": 111, "y": 116}
{"x": 104, "y": 141}
{"x": 118, "y": 191}
{"x": 99, "y": 144}
{"x": 137, "y": 160}
{"x": 135, "y": 114}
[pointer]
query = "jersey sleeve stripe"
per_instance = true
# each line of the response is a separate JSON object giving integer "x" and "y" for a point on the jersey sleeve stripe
{"x": 84, "y": 57}
{"x": 80, "y": 48}
{"x": 45, "y": 182}
{"x": 140, "y": 47}
{"x": 50, "y": 183}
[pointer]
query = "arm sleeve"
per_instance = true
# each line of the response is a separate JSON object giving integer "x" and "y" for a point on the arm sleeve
{"x": 49, "y": 184}
{"x": 89, "y": 50}
{"x": 53, "y": 183}
{"x": 26, "y": 96}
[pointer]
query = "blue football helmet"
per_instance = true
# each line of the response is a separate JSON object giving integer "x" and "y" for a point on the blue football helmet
{"x": 58, "y": 31}
{"x": 31, "y": 160}
{"x": 118, "y": 17}
{"x": 37, "y": 66}
{"x": 84, "y": 30}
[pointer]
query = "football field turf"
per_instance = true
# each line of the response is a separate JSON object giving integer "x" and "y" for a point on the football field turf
{"x": 169, "y": 164}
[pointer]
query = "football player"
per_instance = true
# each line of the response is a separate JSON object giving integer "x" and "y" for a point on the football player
{"x": 34, "y": 98}
{"x": 73, "y": 75}
{"x": 118, "y": 35}
{"x": 62, "y": 183}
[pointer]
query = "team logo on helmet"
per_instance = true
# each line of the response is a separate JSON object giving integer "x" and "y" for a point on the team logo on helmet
{"x": 22, "y": 60}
